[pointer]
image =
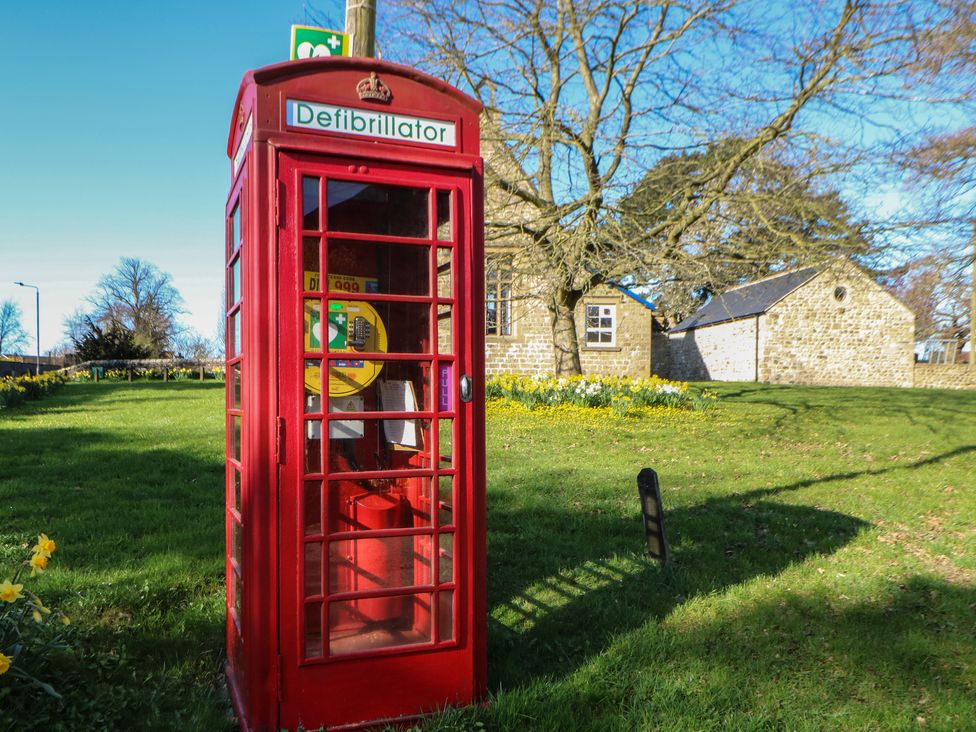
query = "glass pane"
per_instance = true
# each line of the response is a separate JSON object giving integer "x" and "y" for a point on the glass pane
{"x": 362, "y": 565}
{"x": 592, "y": 336}
{"x": 380, "y": 327}
{"x": 401, "y": 386}
{"x": 313, "y": 385}
{"x": 445, "y": 615}
{"x": 313, "y": 569}
{"x": 310, "y": 203}
{"x": 237, "y": 490}
{"x": 235, "y": 386}
{"x": 236, "y": 233}
{"x": 604, "y": 337}
{"x": 445, "y": 500}
{"x": 235, "y": 437}
{"x": 234, "y": 292}
{"x": 444, "y": 228}
{"x": 362, "y": 266}
{"x": 237, "y": 549}
{"x": 313, "y": 507}
{"x": 445, "y": 558}
{"x": 233, "y": 335}
{"x": 313, "y": 325}
{"x": 606, "y": 322}
{"x": 444, "y": 274}
{"x": 237, "y": 330}
{"x": 354, "y": 505}
{"x": 238, "y": 591}
{"x": 311, "y": 279}
{"x": 387, "y": 622}
{"x": 445, "y": 339}
{"x": 313, "y": 446}
{"x": 445, "y": 433}
{"x": 505, "y": 315}
{"x": 370, "y": 208}
{"x": 313, "y": 630}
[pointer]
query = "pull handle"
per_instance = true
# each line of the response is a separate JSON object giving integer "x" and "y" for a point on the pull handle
{"x": 467, "y": 388}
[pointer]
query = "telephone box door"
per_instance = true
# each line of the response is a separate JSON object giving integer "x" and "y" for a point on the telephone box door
{"x": 374, "y": 317}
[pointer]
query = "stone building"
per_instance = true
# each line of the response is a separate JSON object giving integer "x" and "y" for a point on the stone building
{"x": 807, "y": 326}
{"x": 614, "y": 326}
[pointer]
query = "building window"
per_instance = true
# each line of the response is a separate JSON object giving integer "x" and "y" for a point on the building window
{"x": 498, "y": 296}
{"x": 601, "y": 326}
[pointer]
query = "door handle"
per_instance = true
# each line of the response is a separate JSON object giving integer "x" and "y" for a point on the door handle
{"x": 467, "y": 388}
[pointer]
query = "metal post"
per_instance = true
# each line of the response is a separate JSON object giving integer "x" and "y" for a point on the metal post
{"x": 361, "y": 27}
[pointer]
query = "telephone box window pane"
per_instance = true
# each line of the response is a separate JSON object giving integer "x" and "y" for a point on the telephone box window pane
{"x": 313, "y": 385}
{"x": 235, "y": 386}
{"x": 235, "y": 437}
{"x": 313, "y": 630}
{"x": 238, "y": 590}
{"x": 234, "y": 335}
{"x": 313, "y": 325}
{"x": 313, "y": 446}
{"x": 237, "y": 490}
{"x": 353, "y": 505}
{"x": 445, "y": 615}
{"x": 379, "y": 327}
{"x": 313, "y": 507}
{"x": 310, "y": 203}
{"x": 235, "y": 228}
{"x": 370, "y": 208}
{"x": 313, "y": 569}
{"x": 365, "y": 267}
{"x": 363, "y": 565}
{"x": 444, "y": 227}
{"x": 311, "y": 277}
{"x": 369, "y": 444}
{"x": 234, "y": 286}
{"x": 369, "y": 624}
{"x": 445, "y": 500}
{"x": 445, "y": 433}
{"x": 238, "y": 337}
{"x": 444, "y": 275}
{"x": 237, "y": 550}
{"x": 399, "y": 386}
{"x": 445, "y": 330}
{"x": 445, "y": 558}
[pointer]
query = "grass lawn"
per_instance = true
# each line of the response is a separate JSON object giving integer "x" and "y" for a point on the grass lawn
{"x": 823, "y": 573}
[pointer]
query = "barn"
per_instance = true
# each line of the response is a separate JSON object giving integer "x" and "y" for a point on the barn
{"x": 833, "y": 325}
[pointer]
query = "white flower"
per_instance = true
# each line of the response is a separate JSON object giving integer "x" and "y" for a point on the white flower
{"x": 667, "y": 389}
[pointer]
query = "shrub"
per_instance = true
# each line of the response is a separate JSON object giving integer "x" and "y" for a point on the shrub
{"x": 17, "y": 389}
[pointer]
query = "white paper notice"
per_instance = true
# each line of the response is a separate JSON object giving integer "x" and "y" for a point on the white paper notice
{"x": 399, "y": 396}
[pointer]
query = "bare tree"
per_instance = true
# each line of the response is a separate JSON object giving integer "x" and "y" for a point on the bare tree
{"x": 12, "y": 333}
{"x": 138, "y": 297}
{"x": 583, "y": 96}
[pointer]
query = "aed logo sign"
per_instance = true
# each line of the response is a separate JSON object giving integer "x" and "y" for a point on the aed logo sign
{"x": 367, "y": 123}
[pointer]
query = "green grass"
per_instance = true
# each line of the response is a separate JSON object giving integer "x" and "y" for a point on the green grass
{"x": 823, "y": 573}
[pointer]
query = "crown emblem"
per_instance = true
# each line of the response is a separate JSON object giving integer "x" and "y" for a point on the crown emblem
{"x": 373, "y": 88}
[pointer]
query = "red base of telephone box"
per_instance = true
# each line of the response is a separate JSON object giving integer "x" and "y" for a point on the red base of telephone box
{"x": 355, "y": 399}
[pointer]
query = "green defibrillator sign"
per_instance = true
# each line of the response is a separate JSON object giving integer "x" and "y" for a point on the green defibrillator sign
{"x": 310, "y": 42}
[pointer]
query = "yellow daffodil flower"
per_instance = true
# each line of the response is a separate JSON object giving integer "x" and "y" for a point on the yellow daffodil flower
{"x": 65, "y": 620}
{"x": 38, "y": 618}
{"x": 44, "y": 545}
{"x": 10, "y": 592}
{"x": 4, "y": 663}
{"x": 38, "y": 563}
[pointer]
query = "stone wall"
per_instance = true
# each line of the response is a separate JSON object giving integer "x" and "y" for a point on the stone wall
{"x": 528, "y": 350}
{"x": 720, "y": 352}
{"x": 945, "y": 376}
{"x": 821, "y": 334}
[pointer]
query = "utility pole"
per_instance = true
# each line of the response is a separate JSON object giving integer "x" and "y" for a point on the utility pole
{"x": 361, "y": 27}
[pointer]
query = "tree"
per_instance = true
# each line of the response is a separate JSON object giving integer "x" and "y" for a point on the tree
{"x": 582, "y": 96}
{"x": 929, "y": 286}
{"x": 137, "y": 297}
{"x": 12, "y": 334}
{"x": 774, "y": 215}
{"x": 190, "y": 344}
{"x": 113, "y": 342}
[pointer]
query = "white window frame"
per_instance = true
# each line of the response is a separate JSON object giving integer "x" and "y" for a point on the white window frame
{"x": 499, "y": 274}
{"x": 596, "y": 324}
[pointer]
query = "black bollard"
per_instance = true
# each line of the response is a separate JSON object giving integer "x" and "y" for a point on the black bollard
{"x": 650, "y": 498}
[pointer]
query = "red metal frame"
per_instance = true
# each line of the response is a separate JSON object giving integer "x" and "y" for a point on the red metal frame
{"x": 275, "y": 679}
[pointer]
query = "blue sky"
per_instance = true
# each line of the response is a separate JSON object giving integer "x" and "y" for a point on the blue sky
{"x": 114, "y": 118}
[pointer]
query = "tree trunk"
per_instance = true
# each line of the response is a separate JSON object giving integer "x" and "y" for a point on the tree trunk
{"x": 565, "y": 345}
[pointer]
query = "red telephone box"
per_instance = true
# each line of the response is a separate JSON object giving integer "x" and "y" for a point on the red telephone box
{"x": 355, "y": 419}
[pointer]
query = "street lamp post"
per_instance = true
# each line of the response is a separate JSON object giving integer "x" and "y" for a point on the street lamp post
{"x": 37, "y": 310}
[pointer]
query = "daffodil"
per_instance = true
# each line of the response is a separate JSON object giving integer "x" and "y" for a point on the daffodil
{"x": 4, "y": 663}
{"x": 38, "y": 618}
{"x": 44, "y": 545}
{"x": 65, "y": 620}
{"x": 38, "y": 563}
{"x": 10, "y": 592}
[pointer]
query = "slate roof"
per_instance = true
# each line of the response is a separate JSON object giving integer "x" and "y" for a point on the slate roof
{"x": 747, "y": 300}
